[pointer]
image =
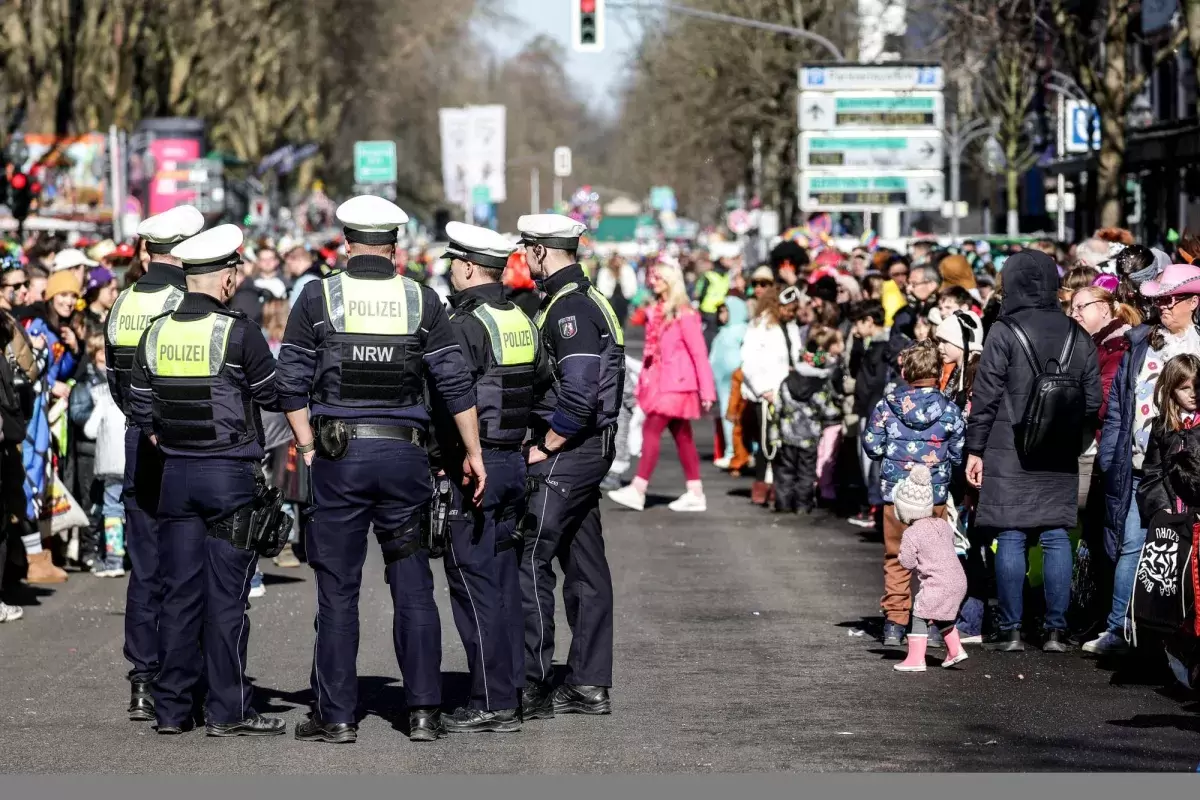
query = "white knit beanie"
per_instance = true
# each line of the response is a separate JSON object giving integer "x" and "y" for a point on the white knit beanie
{"x": 913, "y": 495}
{"x": 960, "y": 326}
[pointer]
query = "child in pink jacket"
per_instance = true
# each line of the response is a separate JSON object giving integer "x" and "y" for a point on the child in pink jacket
{"x": 927, "y": 549}
{"x": 675, "y": 387}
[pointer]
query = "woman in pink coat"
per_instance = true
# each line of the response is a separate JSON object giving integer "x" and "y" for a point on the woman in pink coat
{"x": 676, "y": 386}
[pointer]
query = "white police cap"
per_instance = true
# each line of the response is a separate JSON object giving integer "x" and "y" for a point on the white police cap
{"x": 162, "y": 231}
{"x": 551, "y": 230}
{"x": 481, "y": 246}
{"x": 215, "y": 249}
{"x": 368, "y": 219}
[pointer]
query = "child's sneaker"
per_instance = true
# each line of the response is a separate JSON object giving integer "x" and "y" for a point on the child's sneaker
{"x": 110, "y": 567}
{"x": 257, "y": 589}
{"x": 629, "y": 497}
{"x": 864, "y": 519}
{"x": 10, "y": 613}
{"x": 688, "y": 501}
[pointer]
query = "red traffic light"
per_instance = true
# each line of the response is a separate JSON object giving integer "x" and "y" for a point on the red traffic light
{"x": 18, "y": 181}
{"x": 587, "y": 6}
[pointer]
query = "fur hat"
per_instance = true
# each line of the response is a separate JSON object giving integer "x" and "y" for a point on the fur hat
{"x": 913, "y": 495}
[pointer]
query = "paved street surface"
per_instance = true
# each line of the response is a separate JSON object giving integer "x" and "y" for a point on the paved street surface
{"x": 735, "y": 651}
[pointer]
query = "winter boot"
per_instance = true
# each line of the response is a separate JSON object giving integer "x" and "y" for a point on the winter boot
{"x": 758, "y": 493}
{"x": 915, "y": 662}
{"x": 42, "y": 569}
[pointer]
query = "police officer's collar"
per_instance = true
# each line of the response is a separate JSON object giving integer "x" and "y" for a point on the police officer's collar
{"x": 478, "y": 295}
{"x": 572, "y": 274}
{"x": 199, "y": 303}
{"x": 160, "y": 274}
{"x": 370, "y": 266}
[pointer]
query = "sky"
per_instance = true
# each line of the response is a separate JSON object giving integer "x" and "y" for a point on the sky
{"x": 597, "y": 74}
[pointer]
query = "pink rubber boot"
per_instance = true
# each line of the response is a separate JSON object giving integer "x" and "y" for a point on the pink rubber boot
{"x": 955, "y": 652}
{"x": 915, "y": 662}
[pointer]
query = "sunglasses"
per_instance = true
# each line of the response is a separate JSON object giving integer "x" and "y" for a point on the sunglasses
{"x": 763, "y": 283}
{"x": 1170, "y": 301}
{"x": 21, "y": 285}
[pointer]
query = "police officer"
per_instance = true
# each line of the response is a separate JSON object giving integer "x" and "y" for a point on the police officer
{"x": 358, "y": 345}
{"x": 200, "y": 375}
{"x": 501, "y": 347}
{"x": 158, "y": 291}
{"x": 574, "y": 426}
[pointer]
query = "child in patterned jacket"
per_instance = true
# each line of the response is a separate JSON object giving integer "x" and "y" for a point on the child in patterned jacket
{"x": 809, "y": 403}
{"x": 913, "y": 424}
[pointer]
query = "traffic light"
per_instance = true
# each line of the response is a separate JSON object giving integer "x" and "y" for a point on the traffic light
{"x": 587, "y": 25}
{"x": 20, "y": 195}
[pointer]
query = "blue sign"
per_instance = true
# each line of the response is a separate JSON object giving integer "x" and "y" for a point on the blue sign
{"x": 662, "y": 198}
{"x": 1081, "y": 118}
{"x": 928, "y": 76}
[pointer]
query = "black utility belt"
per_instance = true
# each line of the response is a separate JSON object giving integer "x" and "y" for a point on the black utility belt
{"x": 333, "y": 435}
{"x": 261, "y": 526}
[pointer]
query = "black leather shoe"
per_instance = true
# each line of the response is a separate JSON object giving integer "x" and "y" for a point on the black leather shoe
{"x": 174, "y": 730}
{"x": 254, "y": 725}
{"x": 474, "y": 720}
{"x": 1056, "y": 642}
{"x": 141, "y": 704}
{"x": 1005, "y": 642}
{"x": 313, "y": 730}
{"x": 536, "y": 702}
{"x": 425, "y": 725}
{"x": 569, "y": 699}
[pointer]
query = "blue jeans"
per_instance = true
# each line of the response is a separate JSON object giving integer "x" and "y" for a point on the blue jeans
{"x": 1011, "y": 567}
{"x": 113, "y": 505}
{"x": 870, "y": 472}
{"x": 1132, "y": 539}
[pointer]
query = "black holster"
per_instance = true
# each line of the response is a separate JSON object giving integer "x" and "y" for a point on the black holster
{"x": 514, "y": 540}
{"x": 436, "y": 522}
{"x": 261, "y": 526}
{"x": 332, "y": 439}
{"x": 390, "y": 541}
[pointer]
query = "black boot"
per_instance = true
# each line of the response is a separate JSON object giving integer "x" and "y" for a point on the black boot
{"x": 425, "y": 725}
{"x": 1005, "y": 642}
{"x": 1056, "y": 642}
{"x": 536, "y": 702}
{"x": 475, "y": 720}
{"x": 141, "y": 704}
{"x": 254, "y": 724}
{"x": 581, "y": 700}
{"x": 314, "y": 730}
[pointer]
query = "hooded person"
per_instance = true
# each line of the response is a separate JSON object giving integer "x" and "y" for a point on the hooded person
{"x": 1019, "y": 500}
{"x": 725, "y": 357}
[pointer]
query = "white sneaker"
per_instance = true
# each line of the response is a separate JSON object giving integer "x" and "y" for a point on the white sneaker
{"x": 629, "y": 497}
{"x": 1107, "y": 644}
{"x": 10, "y": 613}
{"x": 976, "y": 639}
{"x": 722, "y": 463}
{"x": 689, "y": 501}
{"x": 258, "y": 591}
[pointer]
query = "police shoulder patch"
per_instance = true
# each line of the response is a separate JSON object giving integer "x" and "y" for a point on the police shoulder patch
{"x": 567, "y": 327}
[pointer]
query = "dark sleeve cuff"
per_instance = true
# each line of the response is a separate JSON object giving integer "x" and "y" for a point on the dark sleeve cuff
{"x": 292, "y": 403}
{"x": 563, "y": 425}
{"x": 461, "y": 404}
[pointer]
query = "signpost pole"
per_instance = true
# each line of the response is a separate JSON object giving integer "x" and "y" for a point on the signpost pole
{"x": 1061, "y": 180}
{"x": 955, "y": 176}
{"x": 535, "y": 191}
{"x": 557, "y": 194}
{"x": 115, "y": 187}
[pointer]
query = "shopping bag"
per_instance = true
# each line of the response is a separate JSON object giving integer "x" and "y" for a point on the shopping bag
{"x": 65, "y": 511}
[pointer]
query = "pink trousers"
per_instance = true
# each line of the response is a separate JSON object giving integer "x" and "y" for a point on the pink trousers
{"x": 827, "y": 450}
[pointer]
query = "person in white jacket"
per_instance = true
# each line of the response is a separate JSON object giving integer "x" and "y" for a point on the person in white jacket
{"x": 107, "y": 426}
{"x": 773, "y": 345}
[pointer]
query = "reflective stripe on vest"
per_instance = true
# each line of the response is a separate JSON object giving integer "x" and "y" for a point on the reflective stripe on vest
{"x": 191, "y": 349}
{"x": 131, "y": 314}
{"x": 512, "y": 335}
{"x": 610, "y": 316}
{"x": 390, "y": 307}
{"x": 715, "y": 292}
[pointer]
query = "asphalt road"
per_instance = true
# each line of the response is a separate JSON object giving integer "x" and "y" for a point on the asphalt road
{"x": 735, "y": 651}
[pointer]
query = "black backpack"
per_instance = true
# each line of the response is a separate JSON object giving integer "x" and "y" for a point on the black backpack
{"x": 1053, "y": 429}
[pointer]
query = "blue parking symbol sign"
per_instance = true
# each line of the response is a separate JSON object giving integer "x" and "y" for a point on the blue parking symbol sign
{"x": 1083, "y": 118}
{"x": 815, "y": 76}
{"x": 927, "y": 76}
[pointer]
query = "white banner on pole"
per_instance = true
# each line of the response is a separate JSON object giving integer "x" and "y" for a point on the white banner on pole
{"x": 455, "y": 126}
{"x": 487, "y": 150}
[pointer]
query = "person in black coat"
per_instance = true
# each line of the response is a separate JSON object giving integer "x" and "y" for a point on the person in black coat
{"x": 1021, "y": 503}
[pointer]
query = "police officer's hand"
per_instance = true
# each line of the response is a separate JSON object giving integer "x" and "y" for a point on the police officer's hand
{"x": 474, "y": 472}
{"x": 536, "y": 456}
{"x": 308, "y": 457}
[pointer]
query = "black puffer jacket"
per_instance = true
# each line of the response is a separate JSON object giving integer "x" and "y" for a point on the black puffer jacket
{"x": 1018, "y": 496}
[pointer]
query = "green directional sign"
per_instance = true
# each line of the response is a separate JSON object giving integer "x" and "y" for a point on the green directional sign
{"x": 915, "y": 150}
{"x": 481, "y": 195}
{"x": 832, "y": 192}
{"x": 374, "y": 162}
{"x": 836, "y": 111}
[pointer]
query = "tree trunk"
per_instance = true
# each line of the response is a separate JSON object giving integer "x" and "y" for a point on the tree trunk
{"x": 1110, "y": 170}
{"x": 1012, "y": 180}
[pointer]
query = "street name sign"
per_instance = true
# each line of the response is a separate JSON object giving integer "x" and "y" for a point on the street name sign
{"x": 836, "y": 111}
